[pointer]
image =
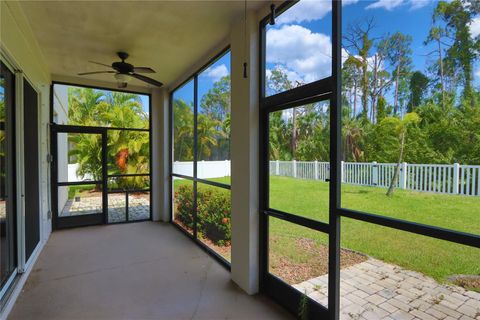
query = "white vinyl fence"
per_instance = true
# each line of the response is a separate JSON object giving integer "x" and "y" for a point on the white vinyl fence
{"x": 205, "y": 169}
{"x": 438, "y": 178}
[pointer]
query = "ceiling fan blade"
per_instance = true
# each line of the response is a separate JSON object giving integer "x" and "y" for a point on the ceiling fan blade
{"x": 147, "y": 79}
{"x": 101, "y": 64}
{"x": 95, "y": 72}
{"x": 143, "y": 70}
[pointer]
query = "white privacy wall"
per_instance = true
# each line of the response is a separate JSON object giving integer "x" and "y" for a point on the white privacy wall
{"x": 205, "y": 169}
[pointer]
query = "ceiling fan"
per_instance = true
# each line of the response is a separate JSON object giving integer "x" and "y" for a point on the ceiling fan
{"x": 125, "y": 71}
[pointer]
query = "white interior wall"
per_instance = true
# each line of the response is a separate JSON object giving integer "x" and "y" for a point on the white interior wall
{"x": 20, "y": 49}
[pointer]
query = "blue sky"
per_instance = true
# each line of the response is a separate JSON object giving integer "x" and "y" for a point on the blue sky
{"x": 300, "y": 42}
{"x": 206, "y": 80}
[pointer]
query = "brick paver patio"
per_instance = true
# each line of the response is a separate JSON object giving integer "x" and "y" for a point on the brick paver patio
{"x": 377, "y": 290}
{"x": 138, "y": 207}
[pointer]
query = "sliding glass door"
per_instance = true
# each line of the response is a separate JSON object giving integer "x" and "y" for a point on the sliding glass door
{"x": 8, "y": 247}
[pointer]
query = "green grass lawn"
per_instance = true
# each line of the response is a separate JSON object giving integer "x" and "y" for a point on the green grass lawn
{"x": 436, "y": 258}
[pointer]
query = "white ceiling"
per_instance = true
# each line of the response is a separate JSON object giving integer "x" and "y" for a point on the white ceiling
{"x": 168, "y": 36}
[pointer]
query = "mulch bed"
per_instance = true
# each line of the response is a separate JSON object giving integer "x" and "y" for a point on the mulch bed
{"x": 468, "y": 282}
{"x": 224, "y": 251}
{"x": 294, "y": 272}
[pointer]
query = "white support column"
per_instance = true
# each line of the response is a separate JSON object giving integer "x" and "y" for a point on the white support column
{"x": 244, "y": 153}
{"x": 316, "y": 170}
{"x": 294, "y": 168}
{"x": 277, "y": 167}
{"x": 160, "y": 156}
{"x": 456, "y": 178}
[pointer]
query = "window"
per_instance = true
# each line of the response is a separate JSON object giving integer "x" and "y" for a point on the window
{"x": 408, "y": 157}
{"x": 299, "y": 149}
{"x": 201, "y": 156}
{"x": 295, "y": 150}
{"x": 298, "y": 48}
{"x": 396, "y": 273}
{"x": 391, "y": 151}
{"x": 183, "y": 119}
{"x": 403, "y": 157}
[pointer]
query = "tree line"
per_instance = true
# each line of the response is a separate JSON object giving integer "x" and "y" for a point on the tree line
{"x": 213, "y": 125}
{"x": 390, "y": 111}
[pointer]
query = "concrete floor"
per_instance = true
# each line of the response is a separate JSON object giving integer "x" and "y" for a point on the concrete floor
{"x": 142, "y": 270}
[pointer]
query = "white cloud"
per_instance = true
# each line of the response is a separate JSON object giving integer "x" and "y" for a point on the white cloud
{"x": 218, "y": 72}
{"x": 305, "y": 11}
{"x": 417, "y": 4}
{"x": 347, "y": 2}
{"x": 475, "y": 27}
{"x": 308, "y": 10}
{"x": 392, "y": 4}
{"x": 304, "y": 54}
{"x": 386, "y": 4}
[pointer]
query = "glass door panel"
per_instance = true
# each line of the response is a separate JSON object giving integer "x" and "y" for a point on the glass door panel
{"x": 8, "y": 257}
{"x": 79, "y": 178}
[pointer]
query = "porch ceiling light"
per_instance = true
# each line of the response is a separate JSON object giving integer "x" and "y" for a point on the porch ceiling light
{"x": 122, "y": 79}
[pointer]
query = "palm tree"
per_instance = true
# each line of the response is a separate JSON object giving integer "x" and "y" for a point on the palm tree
{"x": 83, "y": 105}
{"x": 207, "y": 133}
{"x": 128, "y": 151}
{"x": 352, "y": 133}
{"x": 88, "y": 152}
{"x": 183, "y": 131}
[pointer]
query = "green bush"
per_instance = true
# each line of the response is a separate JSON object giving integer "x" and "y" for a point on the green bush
{"x": 213, "y": 207}
{"x": 214, "y": 215}
{"x": 184, "y": 206}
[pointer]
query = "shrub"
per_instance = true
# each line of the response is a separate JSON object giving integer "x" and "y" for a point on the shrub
{"x": 184, "y": 206}
{"x": 213, "y": 210}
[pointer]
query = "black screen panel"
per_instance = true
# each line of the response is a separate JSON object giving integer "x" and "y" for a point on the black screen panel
{"x": 32, "y": 204}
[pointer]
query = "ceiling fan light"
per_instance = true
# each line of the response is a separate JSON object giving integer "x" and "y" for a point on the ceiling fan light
{"x": 121, "y": 77}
